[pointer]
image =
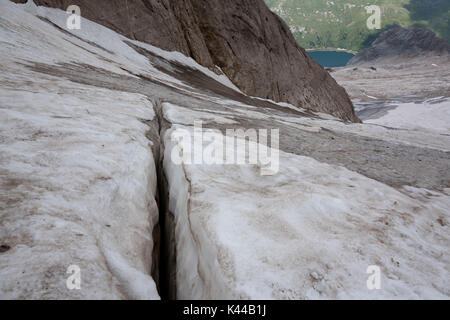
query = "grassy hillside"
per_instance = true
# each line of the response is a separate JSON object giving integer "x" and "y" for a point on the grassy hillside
{"x": 342, "y": 23}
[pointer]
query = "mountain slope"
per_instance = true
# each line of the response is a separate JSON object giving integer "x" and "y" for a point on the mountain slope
{"x": 404, "y": 43}
{"x": 250, "y": 44}
{"x": 342, "y": 24}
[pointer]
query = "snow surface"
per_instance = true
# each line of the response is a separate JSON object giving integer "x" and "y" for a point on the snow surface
{"x": 432, "y": 116}
{"x": 310, "y": 232}
{"x": 77, "y": 174}
{"x": 177, "y": 114}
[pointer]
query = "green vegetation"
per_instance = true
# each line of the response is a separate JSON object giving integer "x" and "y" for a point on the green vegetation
{"x": 321, "y": 24}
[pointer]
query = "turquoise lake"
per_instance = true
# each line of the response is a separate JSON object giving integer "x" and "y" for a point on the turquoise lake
{"x": 331, "y": 59}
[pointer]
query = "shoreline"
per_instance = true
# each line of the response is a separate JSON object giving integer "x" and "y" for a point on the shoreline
{"x": 333, "y": 49}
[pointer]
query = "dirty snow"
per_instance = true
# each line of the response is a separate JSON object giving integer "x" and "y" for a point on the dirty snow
{"x": 311, "y": 231}
{"x": 77, "y": 174}
{"x": 430, "y": 116}
{"x": 178, "y": 57}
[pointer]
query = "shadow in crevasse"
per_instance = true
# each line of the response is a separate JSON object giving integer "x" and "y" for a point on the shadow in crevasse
{"x": 434, "y": 14}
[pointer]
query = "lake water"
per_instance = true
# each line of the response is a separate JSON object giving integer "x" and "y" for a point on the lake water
{"x": 331, "y": 59}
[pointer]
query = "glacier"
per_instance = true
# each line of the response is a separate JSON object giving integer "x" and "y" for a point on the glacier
{"x": 87, "y": 179}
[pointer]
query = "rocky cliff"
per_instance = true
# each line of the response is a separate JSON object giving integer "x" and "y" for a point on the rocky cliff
{"x": 400, "y": 42}
{"x": 250, "y": 44}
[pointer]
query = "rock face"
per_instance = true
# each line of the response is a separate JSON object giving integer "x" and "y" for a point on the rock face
{"x": 251, "y": 45}
{"x": 404, "y": 42}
